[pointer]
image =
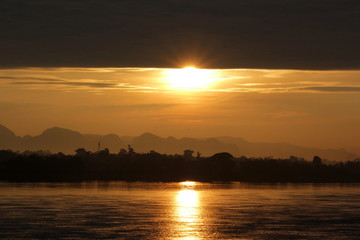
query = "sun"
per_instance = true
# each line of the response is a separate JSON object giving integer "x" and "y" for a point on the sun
{"x": 189, "y": 78}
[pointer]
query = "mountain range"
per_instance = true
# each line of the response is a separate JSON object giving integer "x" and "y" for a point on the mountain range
{"x": 67, "y": 141}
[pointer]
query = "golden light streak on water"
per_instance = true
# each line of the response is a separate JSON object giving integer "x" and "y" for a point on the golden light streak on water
{"x": 187, "y": 217}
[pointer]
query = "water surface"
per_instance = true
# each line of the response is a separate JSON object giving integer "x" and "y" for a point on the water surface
{"x": 120, "y": 210}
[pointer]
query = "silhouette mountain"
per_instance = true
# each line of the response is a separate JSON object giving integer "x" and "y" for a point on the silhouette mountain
{"x": 5, "y": 132}
{"x": 7, "y": 138}
{"x": 58, "y": 139}
{"x": 147, "y": 142}
{"x": 284, "y": 150}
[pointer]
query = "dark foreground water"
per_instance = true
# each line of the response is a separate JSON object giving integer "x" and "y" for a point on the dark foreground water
{"x": 119, "y": 210}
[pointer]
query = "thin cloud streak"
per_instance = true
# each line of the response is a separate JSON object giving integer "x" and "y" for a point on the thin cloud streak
{"x": 130, "y": 107}
{"x": 29, "y": 78}
{"x": 87, "y": 84}
{"x": 332, "y": 89}
{"x": 99, "y": 85}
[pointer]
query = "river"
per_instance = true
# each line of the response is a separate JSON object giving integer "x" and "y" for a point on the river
{"x": 186, "y": 210}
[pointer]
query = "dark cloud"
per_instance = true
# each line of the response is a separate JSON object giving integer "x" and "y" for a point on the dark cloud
{"x": 332, "y": 89}
{"x": 318, "y": 34}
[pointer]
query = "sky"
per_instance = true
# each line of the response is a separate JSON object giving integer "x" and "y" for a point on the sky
{"x": 309, "y": 108}
{"x": 273, "y": 71}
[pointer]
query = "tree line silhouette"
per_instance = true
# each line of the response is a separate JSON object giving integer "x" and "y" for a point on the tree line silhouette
{"x": 128, "y": 165}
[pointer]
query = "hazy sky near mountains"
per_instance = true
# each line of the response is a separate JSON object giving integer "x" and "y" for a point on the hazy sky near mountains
{"x": 311, "y": 108}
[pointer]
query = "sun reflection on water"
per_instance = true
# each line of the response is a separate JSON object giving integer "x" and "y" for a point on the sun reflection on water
{"x": 187, "y": 213}
{"x": 187, "y": 203}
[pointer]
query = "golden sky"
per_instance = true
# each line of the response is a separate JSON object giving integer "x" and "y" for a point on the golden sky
{"x": 310, "y": 108}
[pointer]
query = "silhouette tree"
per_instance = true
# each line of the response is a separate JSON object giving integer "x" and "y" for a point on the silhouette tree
{"x": 122, "y": 152}
{"x": 153, "y": 166}
{"x": 317, "y": 160}
{"x": 81, "y": 152}
{"x": 130, "y": 149}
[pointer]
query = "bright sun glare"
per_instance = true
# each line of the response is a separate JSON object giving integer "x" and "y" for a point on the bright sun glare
{"x": 189, "y": 78}
{"x": 187, "y": 184}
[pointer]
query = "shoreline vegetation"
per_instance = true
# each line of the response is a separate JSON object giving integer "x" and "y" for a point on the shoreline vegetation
{"x": 128, "y": 165}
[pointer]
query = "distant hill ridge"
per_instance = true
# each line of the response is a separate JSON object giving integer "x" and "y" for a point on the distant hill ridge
{"x": 58, "y": 139}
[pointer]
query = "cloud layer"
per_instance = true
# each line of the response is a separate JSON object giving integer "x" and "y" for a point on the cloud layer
{"x": 155, "y": 80}
{"x": 293, "y": 34}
